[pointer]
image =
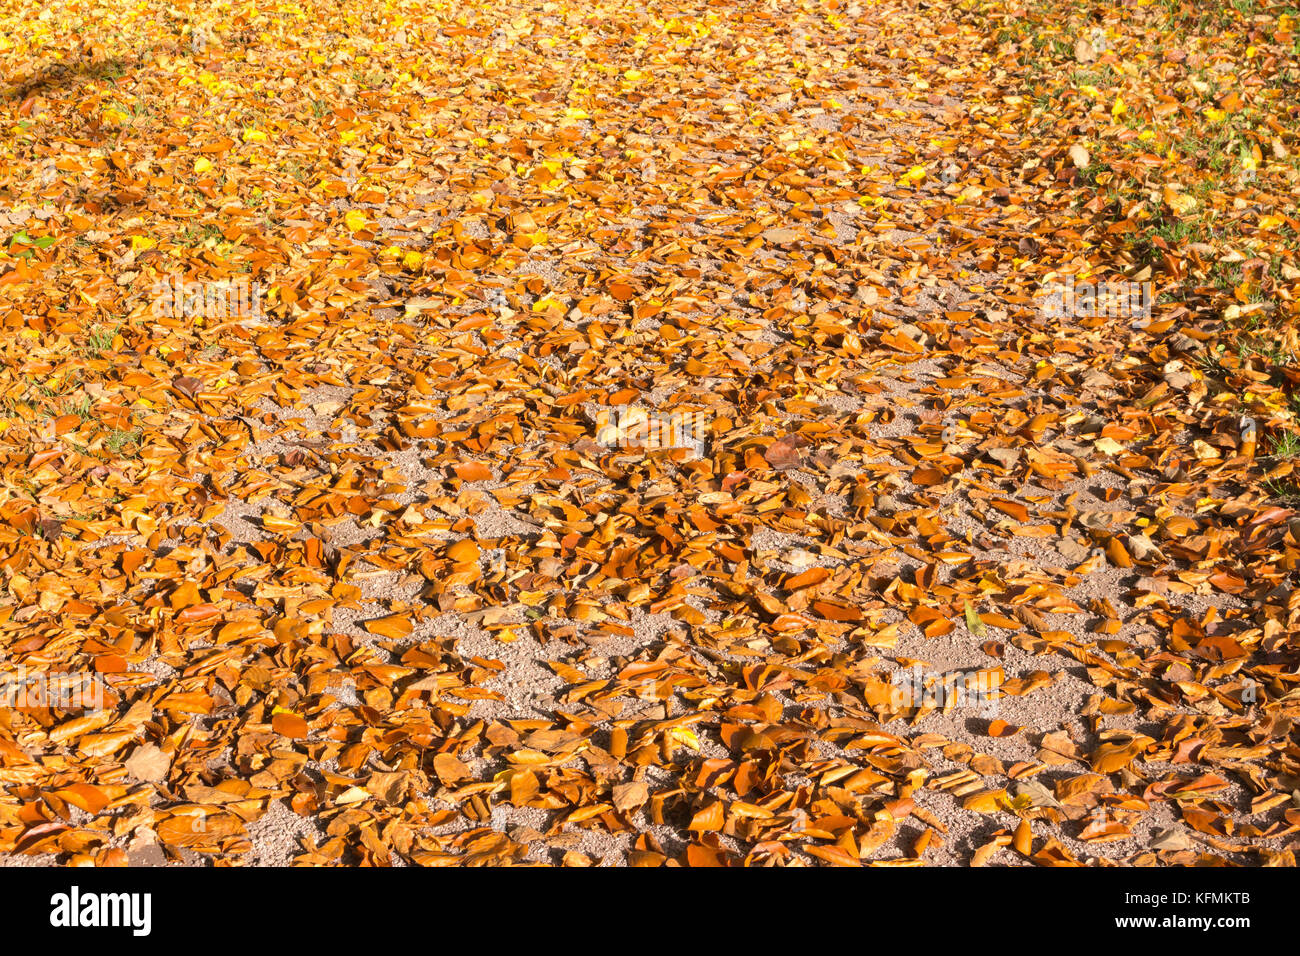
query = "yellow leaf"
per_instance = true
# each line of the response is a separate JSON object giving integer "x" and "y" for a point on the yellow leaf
{"x": 685, "y": 736}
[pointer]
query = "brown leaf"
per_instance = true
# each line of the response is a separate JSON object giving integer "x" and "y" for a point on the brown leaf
{"x": 148, "y": 763}
{"x": 629, "y": 796}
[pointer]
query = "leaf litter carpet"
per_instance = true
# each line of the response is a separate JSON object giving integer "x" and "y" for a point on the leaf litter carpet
{"x": 374, "y": 577}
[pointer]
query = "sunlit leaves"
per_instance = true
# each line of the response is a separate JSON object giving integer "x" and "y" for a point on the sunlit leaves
{"x": 650, "y": 446}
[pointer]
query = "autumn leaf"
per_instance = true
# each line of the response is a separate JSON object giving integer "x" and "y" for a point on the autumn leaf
{"x": 577, "y": 435}
{"x": 393, "y": 626}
